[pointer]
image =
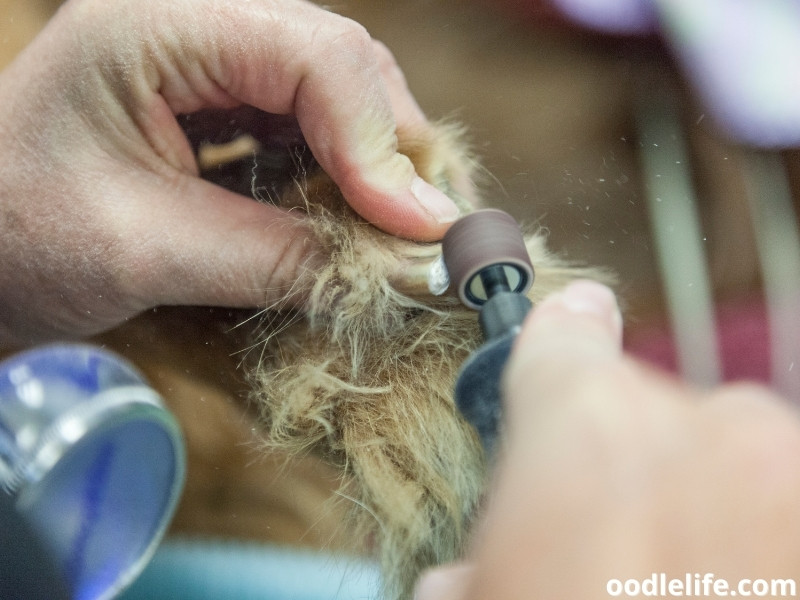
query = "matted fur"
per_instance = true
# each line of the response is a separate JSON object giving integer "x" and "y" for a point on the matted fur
{"x": 364, "y": 374}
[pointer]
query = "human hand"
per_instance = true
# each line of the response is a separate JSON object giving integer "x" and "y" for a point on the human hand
{"x": 101, "y": 210}
{"x": 613, "y": 471}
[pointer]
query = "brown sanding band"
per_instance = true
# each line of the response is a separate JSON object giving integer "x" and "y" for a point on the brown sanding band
{"x": 480, "y": 239}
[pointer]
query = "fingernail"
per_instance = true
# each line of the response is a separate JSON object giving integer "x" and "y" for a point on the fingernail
{"x": 590, "y": 297}
{"x": 585, "y": 297}
{"x": 581, "y": 322}
{"x": 435, "y": 202}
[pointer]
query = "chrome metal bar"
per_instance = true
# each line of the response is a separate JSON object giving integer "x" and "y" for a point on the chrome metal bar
{"x": 678, "y": 238}
{"x": 778, "y": 241}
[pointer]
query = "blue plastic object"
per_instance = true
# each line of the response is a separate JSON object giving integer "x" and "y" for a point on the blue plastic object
{"x": 92, "y": 460}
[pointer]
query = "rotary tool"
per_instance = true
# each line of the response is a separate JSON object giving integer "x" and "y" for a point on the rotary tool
{"x": 488, "y": 263}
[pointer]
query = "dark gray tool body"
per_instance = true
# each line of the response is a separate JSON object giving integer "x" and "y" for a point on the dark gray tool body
{"x": 478, "y": 390}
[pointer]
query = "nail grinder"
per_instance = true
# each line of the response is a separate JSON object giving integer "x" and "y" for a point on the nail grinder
{"x": 488, "y": 263}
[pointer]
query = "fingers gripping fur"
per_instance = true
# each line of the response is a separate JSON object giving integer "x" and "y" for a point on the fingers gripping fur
{"x": 365, "y": 375}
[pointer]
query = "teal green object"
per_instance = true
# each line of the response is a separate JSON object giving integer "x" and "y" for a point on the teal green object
{"x": 208, "y": 570}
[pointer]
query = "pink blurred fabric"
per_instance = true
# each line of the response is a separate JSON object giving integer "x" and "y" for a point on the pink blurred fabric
{"x": 742, "y": 339}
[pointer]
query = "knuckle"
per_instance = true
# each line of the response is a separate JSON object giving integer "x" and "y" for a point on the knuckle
{"x": 748, "y": 400}
{"x": 384, "y": 56}
{"x": 346, "y": 35}
{"x": 772, "y": 426}
{"x": 387, "y": 64}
